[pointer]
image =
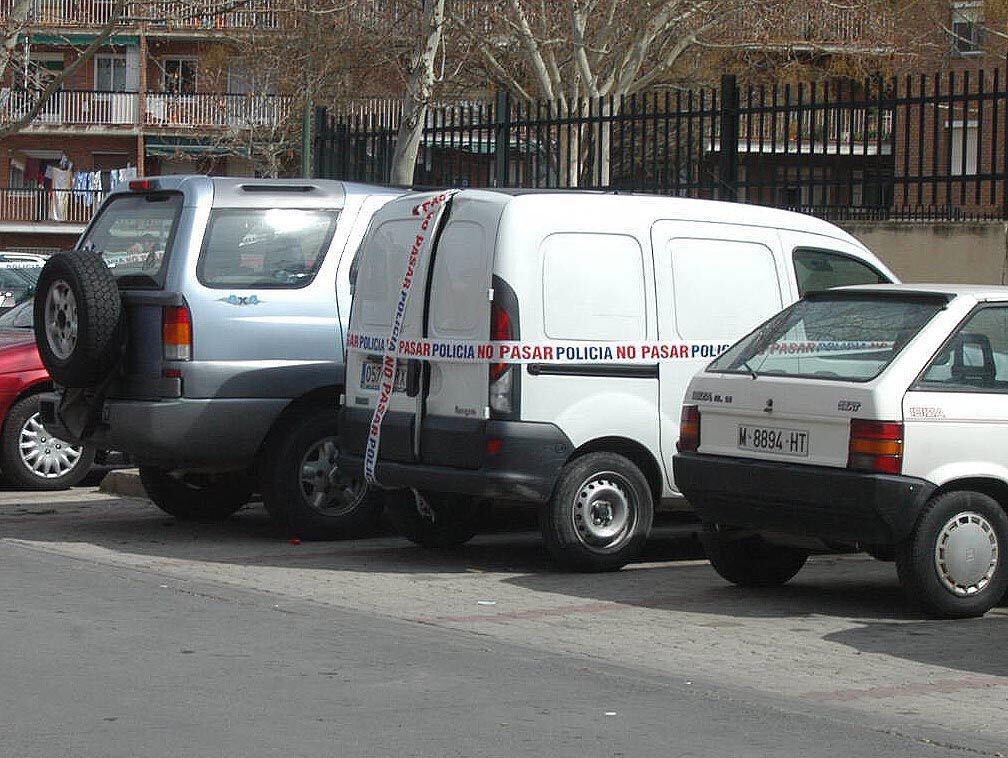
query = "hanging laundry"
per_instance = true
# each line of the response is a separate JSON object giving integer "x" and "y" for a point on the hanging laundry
{"x": 61, "y": 184}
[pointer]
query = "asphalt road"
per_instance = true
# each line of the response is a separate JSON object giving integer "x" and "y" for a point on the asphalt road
{"x": 123, "y": 633}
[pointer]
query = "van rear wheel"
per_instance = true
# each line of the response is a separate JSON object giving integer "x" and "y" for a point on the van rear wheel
{"x": 434, "y": 519}
{"x": 955, "y": 563}
{"x": 752, "y": 561}
{"x": 600, "y": 514}
{"x": 205, "y": 498}
{"x": 302, "y": 486}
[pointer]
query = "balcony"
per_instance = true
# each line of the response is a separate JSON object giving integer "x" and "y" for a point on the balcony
{"x": 72, "y": 108}
{"x": 178, "y": 15}
{"x": 215, "y": 111}
{"x": 91, "y": 111}
{"x": 52, "y": 208}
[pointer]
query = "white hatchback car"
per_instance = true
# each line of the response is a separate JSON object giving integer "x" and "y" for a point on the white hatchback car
{"x": 870, "y": 417}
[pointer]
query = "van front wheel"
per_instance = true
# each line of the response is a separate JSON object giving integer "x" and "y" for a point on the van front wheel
{"x": 752, "y": 561}
{"x": 433, "y": 519}
{"x": 600, "y": 514}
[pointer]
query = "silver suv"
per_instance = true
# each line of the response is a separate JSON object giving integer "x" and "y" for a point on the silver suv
{"x": 198, "y": 327}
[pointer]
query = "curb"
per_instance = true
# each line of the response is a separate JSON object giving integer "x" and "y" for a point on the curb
{"x": 124, "y": 483}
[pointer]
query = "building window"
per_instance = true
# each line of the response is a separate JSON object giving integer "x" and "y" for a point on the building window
{"x": 110, "y": 73}
{"x": 964, "y": 146}
{"x": 179, "y": 76}
{"x": 967, "y": 27}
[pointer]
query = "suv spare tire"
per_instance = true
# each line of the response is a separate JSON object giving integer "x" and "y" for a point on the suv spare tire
{"x": 78, "y": 315}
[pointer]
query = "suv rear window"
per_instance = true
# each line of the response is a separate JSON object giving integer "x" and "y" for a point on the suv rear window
{"x": 843, "y": 338}
{"x": 265, "y": 247}
{"x": 133, "y": 233}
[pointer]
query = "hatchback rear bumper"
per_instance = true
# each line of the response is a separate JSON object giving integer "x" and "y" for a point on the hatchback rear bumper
{"x": 810, "y": 501}
{"x": 525, "y": 463}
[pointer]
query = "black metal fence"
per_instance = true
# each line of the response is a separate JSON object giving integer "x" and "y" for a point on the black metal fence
{"x": 926, "y": 146}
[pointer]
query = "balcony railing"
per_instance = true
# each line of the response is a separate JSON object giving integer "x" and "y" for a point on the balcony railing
{"x": 169, "y": 14}
{"x": 48, "y": 206}
{"x": 85, "y": 108}
{"x": 72, "y": 108}
{"x": 206, "y": 110}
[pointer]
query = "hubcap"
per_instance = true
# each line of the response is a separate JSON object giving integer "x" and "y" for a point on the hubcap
{"x": 966, "y": 554}
{"x": 61, "y": 319}
{"x": 44, "y": 455}
{"x": 323, "y": 486}
{"x": 604, "y": 512}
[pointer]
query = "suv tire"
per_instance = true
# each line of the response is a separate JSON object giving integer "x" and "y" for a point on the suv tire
{"x": 442, "y": 520}
{"x": 302, "y": 488}
{"x": 204, "y": 498}
{"x": 26, "y": 448}
{"x": 752, "y": 561}
{"x": 600, "y": 514}
{"x": 955, "y": 563}
{"x": 78, "y": 317}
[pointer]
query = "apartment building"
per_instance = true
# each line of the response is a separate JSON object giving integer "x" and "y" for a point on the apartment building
{"x": 159, "y": 98}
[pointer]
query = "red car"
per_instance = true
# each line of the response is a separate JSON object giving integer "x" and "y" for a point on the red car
{"x": 29, "y": 456}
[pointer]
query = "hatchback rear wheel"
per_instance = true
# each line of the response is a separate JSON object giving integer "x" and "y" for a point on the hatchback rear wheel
{"x": 954, "y": 564}
{"x": 33, "y": 458}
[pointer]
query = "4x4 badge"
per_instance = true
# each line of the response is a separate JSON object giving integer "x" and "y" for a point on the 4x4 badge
{"x": 240, "y": 300}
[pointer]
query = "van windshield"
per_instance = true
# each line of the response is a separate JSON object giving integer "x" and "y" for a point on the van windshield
{"x": 838, "y": 337}
{"x": 133, "y": 234}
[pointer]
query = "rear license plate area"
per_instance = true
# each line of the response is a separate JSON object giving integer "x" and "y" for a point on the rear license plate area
{"x": 773, "y": 439}
{"x": 371, "y": 375}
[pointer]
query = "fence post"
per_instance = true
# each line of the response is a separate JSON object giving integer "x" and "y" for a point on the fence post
{"x": 322, "y": 139}
{"x": 728, "y": 174}
{"x": 502, "y": 137}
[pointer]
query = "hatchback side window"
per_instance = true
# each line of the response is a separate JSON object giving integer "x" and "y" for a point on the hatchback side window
{"x": 819, "y": 270}
{"x": 974, "y": 359}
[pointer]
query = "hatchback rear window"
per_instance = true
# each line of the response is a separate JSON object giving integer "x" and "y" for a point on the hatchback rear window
{"x": 134, "y": 233}
{"x": 844, "y": 338}
{"x": 265, "y": 247}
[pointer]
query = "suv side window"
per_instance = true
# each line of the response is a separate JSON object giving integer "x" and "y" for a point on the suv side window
{"x": 974, "y": 359}
{"x": 819, "y": 270}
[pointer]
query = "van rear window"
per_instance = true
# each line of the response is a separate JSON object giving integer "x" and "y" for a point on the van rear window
{"x": 134, "y": 233}
{"x": 265, "y": 247}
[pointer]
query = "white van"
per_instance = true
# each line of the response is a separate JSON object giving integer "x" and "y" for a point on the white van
{"x": 591, "y": 442}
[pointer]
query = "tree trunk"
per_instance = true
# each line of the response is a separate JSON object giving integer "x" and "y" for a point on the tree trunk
{"x": 418, "y": 96}
{"x": 17, "y": 20}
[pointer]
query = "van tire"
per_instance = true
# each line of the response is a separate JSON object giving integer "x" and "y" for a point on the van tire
{"x": 298, "y": 464}
{"x": 23, "y": 417}
{"x": 752, "y": 561}
{"x": 588, "y": 547}
{"x": 917, "y": 561}
{"x": 78, "y": 319}
{"x": 203, "y": 498}
{"x": 451, "y": 520}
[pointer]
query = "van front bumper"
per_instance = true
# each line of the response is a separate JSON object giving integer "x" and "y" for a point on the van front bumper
{"x": 810, "y": 501}
{"x": 525, "y": 466}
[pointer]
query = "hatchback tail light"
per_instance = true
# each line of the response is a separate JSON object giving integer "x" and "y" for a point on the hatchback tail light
{"x": 689, "y": 430}
{"x": 876, "y": 446}
{"x": 502, "y": 379}
{"x": 176, "y": 333}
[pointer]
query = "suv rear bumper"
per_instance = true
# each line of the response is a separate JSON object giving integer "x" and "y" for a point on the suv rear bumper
{"x": 525, "y": 467}
{"x": 214, "y": 432}
{"x": 811, "y": 501}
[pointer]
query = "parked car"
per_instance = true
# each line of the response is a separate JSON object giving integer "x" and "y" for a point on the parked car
{"x": 18, "y": 280}
{"x": 870, "y": 417}
{"x": 30, "y": 456}
{"x": 592, "y": 443}
{"x": 198, "y": 327}
{"x": 33, "y": 260}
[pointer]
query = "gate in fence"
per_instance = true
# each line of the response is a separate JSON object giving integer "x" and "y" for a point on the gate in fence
{"x": 926, "y": 146}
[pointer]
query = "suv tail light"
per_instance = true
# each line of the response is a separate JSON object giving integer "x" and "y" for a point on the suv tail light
{"x": 502, "y": 382}
{"x": 876, "y": 446}
{"x": 689, "y": 430}
{"x": 176, "y": 333}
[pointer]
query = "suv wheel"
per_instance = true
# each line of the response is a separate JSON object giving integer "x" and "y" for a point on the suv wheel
{"x": 78, "y": 318}
{"x": 304, "y": 489}
{"x": 955, "y": 564}
{"x": 600, "y": 514}
{"x": 34, "y": 459}
{"x": 434, "y": 519}
{"x": 205, "y": 498}
{"x": 752, "y": 561}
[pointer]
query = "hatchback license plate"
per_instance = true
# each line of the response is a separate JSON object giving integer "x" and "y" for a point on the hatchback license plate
{"x": 773, "y": 440}
{"x": 371, "y": 373}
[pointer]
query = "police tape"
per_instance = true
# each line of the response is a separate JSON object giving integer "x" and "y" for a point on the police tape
{"x": 645, "y": 351}
{"x": 430, "y": 213}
